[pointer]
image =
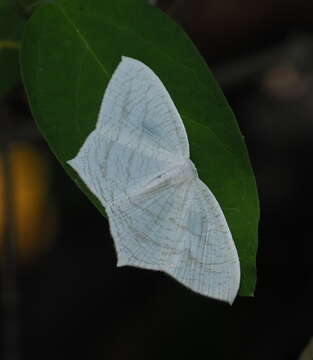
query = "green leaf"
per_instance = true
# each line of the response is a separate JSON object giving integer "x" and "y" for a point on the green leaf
{"x": 71, "y": 48}
{"x": 11, "y": 25}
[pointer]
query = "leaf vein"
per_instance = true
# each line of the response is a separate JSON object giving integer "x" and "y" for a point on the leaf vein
{"x": 82, "y": 38}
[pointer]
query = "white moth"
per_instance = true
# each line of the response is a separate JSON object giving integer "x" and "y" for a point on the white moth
{"x": 161, "y": 215}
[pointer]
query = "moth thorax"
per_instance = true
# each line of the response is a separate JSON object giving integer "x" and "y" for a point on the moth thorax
{"x": 184, "y": 172}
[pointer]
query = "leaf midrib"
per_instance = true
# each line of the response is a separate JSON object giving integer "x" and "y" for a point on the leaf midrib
{"x": 80, "y": 35}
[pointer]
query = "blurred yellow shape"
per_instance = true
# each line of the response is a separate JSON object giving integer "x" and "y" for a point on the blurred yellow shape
{"x": 35, "y": 216}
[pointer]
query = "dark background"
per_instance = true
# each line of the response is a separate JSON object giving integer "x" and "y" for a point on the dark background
{"x": 72, "y": 300}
